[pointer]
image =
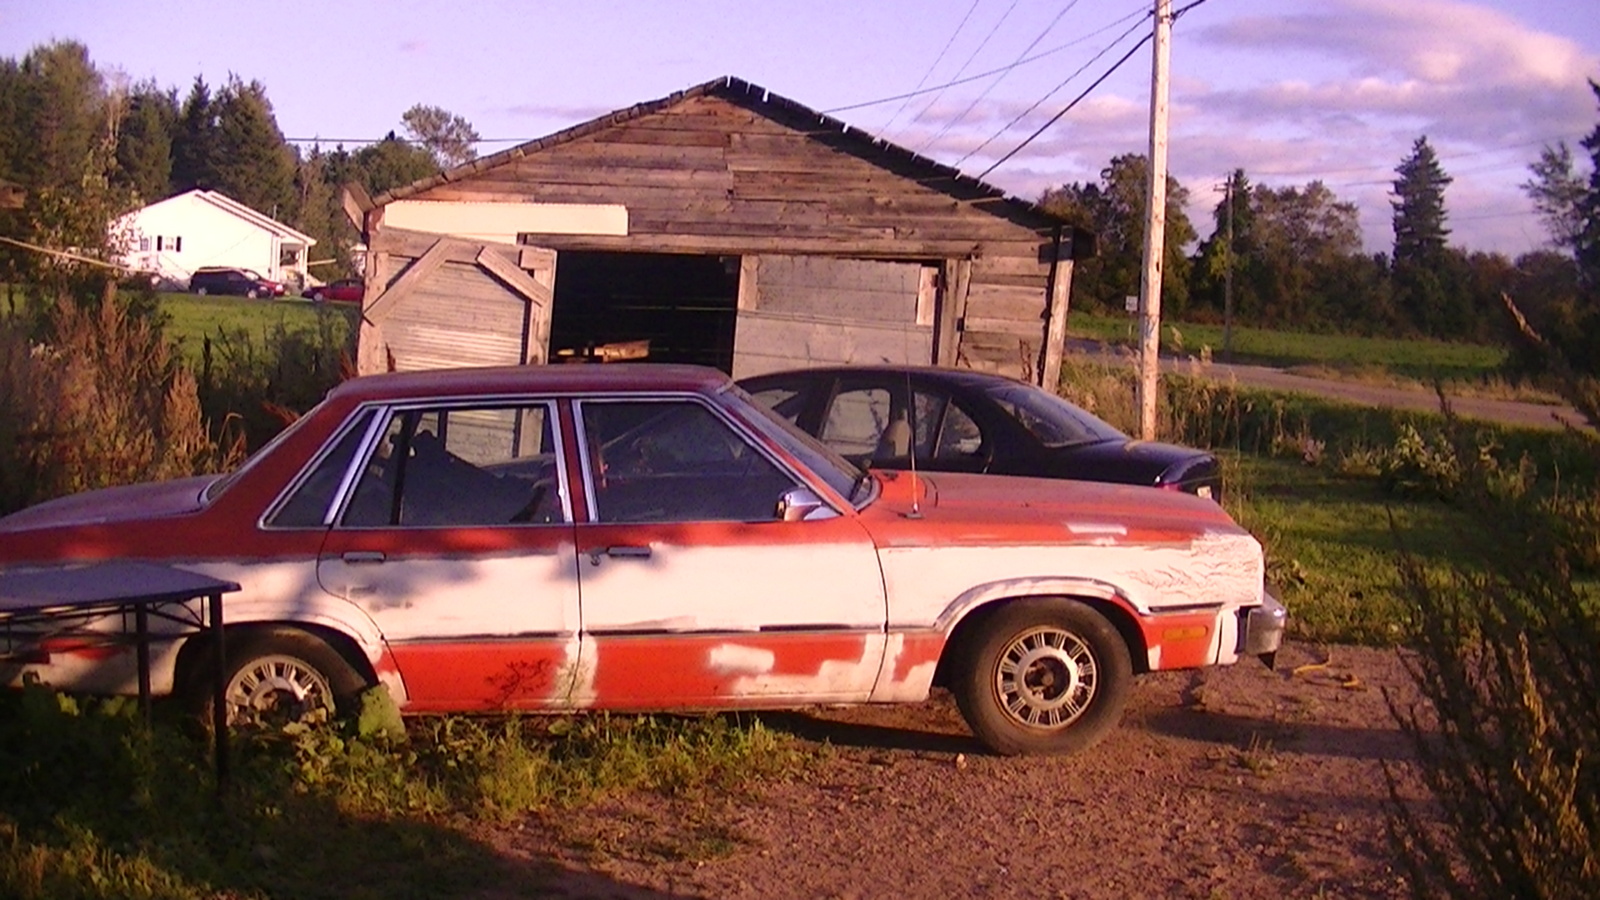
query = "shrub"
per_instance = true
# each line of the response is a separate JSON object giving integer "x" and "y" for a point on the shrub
{"x": 262, "y": 385}
{"x": 101, "y": 402}
{"x": 1508, "y": 739}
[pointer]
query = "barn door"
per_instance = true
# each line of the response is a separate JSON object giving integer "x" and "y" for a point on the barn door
{"x": 436, "y": 302}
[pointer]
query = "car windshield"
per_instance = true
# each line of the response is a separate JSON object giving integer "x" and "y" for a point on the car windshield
{"x": 850, "y": 481}
{"x": 1050, "y": 419}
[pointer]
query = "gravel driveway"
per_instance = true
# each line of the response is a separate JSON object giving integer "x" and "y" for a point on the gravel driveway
{"x": 1236, "y": 783}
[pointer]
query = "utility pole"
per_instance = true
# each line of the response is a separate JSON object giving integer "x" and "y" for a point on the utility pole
{"x": 1155, "y": 227}
{"x": 1227, "y": 281}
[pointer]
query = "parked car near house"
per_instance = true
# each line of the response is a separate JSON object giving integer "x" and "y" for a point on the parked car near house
{"x": 230, "y": 280}
{"x": 959, "y": 420}
{"x": 344, "y": 290}
{"x": 639, "y": 537}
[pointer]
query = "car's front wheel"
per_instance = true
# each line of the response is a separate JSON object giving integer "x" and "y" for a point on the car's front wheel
{"x": 1043, "y": 676}
{"x": 201, "y": 291}
{"x": 277, "y": 676}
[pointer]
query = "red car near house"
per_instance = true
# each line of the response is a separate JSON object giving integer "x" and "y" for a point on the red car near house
{"x": 344, "y": 290}
{"x": 640, "y": 537}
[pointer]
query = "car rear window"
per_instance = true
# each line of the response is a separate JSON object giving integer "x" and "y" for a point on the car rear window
{"x": 1050, "y": 419}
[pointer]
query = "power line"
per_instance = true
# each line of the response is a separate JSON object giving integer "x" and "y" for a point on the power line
{"x": 1177, "y": 14}
{"x": 934, "y": 65}
{"x": 1025, "y": 113}
{"x": 982, "y": 75}
{"x": 1001, "y": 77}
{"x": 970, "y": 57}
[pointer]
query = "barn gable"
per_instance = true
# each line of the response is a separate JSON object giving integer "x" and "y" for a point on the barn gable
{"x": 832, "y": 246}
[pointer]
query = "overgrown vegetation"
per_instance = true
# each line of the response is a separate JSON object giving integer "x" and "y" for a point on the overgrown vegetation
{"x": 96, "y": 804}
{"x": 1505, "y": 657}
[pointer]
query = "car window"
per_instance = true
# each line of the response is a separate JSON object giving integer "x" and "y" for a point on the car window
{"x": 461, "y": 466}
{"x": 859, "y": 426}
{"x": 788, "y": 402}
{"x": 823, "y": 461}
{"x": 675, "y": 461}
{"x": 307, "y": 506}
{"x": 946, "y": 429}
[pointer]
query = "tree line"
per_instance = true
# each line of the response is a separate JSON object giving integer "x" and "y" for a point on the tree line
{"x": 1291, "y": 257}
{"x": 87, "y": 147}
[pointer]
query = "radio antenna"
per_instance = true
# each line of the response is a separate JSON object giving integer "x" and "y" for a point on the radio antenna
{"x": 911, "y": 443}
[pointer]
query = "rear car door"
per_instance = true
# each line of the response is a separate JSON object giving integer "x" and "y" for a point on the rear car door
{"x": 455, "y": 535}
{"x": 694, "y": 591}
{"x": 880, "y": 421}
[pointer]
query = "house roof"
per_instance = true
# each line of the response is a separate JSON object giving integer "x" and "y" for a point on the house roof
{"x": 235, "y": 208}
{"x": 747, "y": 94}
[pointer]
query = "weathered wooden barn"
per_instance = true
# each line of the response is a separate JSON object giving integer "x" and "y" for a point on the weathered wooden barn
{"x": 726, "y": 226}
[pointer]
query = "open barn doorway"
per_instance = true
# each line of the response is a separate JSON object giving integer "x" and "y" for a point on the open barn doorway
{"x": 683, "y": 305}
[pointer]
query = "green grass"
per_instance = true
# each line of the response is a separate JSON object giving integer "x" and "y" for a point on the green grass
{"x": 1331, "y": 548}
{"x": 95, "y": 804}
{"x": 192, "y": 319}
{"x": 1421, "y": 360}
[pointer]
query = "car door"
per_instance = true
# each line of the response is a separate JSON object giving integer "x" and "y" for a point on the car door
{"x": 456, "y": 537}
{"x": 693, "y": 590}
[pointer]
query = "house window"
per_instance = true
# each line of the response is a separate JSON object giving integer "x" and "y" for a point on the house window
{"x": 177, "y": 244}
{"x": 144, "y": 245}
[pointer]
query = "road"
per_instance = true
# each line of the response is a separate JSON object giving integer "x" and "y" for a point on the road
{"x": 1509, "y": 412}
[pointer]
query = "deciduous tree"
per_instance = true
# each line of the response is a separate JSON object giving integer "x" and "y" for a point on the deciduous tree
{"x": 450, "y": 138}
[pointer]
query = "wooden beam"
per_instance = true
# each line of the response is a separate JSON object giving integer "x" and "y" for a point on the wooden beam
{"x": 514, "y": 277}
{"x": 418, "y": 272}
{"x": 1055, "y": 339}
{"x": 749, "y": 285}
{"x": 956, "y": 278}
{"x": 357, "y": 203}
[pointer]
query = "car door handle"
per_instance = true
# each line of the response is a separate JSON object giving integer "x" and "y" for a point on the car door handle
{"x": 358, "y": 557}
{"x": 621, "y": 551}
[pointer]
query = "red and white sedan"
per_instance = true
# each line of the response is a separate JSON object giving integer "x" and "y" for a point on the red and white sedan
{"x": 647, "y": 537}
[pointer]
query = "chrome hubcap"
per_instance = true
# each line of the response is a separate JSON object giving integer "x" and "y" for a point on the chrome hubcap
{"x": 276, "y": 688}
{"x": 1047, "y": 678}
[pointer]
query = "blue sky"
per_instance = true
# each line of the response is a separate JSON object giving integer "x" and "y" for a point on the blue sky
{"x": 1289, "y": 90}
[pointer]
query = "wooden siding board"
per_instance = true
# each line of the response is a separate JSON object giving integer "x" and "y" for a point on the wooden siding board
{"x": 767, "y": 342}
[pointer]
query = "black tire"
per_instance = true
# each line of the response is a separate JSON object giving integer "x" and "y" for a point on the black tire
{"x": 316, "y": 297}
{"x": 201, "y": 291}
{"x": 1043, "y": 676}
{"x": 251, "y": 293}
{"x": 276, "y": 675}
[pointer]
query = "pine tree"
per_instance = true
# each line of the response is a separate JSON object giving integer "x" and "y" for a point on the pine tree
{"x": 1419, "y": 214}
{"x": 194, "y": 141}
{"x": 253, "y": 164}
{"x": 144, "y": 143}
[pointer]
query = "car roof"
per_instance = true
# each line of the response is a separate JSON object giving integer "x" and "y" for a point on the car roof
{"x": 582, "y": 378}
{"x": 970, "y": 377}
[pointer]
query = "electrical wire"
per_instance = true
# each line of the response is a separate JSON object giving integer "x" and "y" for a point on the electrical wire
{"x": 1002, "y": 76}
{"x": 934, "y": 65}
{"x": 1086, "y": 91}
{"x": 1036, "y": 104}
{"x": 970, "y": 57}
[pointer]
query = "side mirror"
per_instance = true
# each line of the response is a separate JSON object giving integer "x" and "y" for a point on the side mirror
{"x": 799, "y": 504}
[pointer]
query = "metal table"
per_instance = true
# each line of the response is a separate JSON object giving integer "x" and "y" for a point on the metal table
{"x": 60, "y": 601}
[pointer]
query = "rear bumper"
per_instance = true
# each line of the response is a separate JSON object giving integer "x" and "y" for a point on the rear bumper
{"x": 1261, "y": 629}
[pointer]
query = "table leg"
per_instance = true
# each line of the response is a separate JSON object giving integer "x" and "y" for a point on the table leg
{"x": 219, "y": 696}
{"x": 141, "y": 628}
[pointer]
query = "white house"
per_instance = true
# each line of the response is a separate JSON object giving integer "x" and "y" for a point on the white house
{"x": 173, "y": 237}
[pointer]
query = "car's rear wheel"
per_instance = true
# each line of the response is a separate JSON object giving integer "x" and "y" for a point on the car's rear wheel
{"x": 1043, "y": 676}
{"x": 277, "y": 676}
{"x": 316, "y": 297}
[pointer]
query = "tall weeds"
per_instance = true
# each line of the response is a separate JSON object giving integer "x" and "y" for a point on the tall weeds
{"x": 1505, "y": 658}
{"x": 100, "y": 402}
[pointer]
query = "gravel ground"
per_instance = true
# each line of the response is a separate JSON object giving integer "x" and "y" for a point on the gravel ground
{"x": 1226, "y": 783}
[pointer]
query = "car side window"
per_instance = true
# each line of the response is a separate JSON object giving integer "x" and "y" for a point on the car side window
{"x": 861, "y": 425}
{"x": 953, "y": 434}
{"x": 675, "y": 461}
{"x": 461, "y": 467}
{"x": 785, "y": 401}
{"x": 307, "y": 506}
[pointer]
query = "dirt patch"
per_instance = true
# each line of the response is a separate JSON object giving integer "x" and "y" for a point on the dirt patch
{"x": 1236, "y": 783}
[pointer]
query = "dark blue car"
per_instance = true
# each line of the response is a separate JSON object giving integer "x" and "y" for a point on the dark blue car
{"x": 958, "y": 420}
